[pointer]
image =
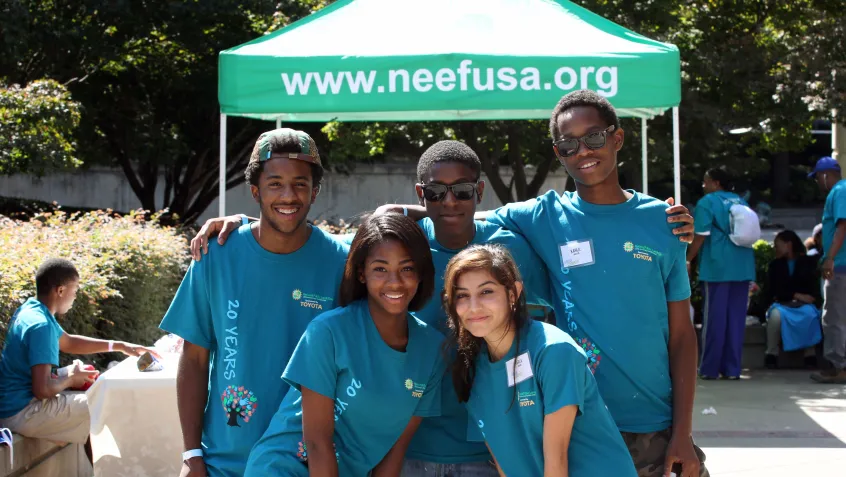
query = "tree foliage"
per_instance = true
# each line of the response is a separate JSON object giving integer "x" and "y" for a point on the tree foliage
{"x": 145, "y": 75}
{"x": 37, "y": 123}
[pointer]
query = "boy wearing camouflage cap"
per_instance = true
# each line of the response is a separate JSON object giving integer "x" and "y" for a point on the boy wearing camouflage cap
{"x": 242, "y": 310}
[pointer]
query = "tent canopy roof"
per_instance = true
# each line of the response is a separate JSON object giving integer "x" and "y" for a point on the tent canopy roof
{"x": 406, "y": 60}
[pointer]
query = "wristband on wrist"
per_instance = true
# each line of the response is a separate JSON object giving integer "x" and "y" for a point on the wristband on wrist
{"x": 111, "y": 346}
{"x": 244, "y": 219}
{"x": 405, "y": 211}
{"x": 191, "y": 454}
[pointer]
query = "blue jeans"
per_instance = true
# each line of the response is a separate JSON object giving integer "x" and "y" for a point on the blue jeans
{"x": 419, "y": 468}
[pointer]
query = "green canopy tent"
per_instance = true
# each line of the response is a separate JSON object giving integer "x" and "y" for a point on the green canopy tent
{"x": 409, "y": 60}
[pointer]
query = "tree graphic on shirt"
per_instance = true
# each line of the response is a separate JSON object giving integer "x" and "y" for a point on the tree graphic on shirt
{"x": 238, "y": 401}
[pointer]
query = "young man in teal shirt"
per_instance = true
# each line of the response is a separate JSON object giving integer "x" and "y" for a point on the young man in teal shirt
{"x": 37, "y": 398}
{"x": 725, "y": 270}
{"x": 243, "y": 308}
{"x": 829, "y": 177}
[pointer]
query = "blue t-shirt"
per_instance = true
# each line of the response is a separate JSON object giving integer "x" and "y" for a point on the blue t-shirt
{"x": 249, "y": 307}
{"x": 443, "y": 439}
{"x": 720, "y": 260}
{"x": 552, "y": 374}
{"x": 31, "y": 339}
{"x": 613, "y": 269}
{"x": 833, "y": 212}
{"x": 376, "y": 390}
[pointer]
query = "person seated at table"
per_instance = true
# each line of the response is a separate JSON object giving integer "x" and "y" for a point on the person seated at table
{"x": 34, "y": 401}
{"x": 526, "y": 383}
{"x": 794, "y": 292}
{"x": 363, "y": 375}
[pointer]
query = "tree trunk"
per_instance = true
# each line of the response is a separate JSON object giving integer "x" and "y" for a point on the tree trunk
{"x": 233, "y": 418}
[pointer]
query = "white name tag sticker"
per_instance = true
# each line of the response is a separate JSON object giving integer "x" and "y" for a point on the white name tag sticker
{"x": 578, "y": 253}
{"x": 522, "y": 372}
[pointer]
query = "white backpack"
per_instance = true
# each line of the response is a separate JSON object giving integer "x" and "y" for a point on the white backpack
{"x": 744, "y": 226}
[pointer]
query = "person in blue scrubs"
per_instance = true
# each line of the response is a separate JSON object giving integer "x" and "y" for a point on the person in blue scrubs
{"x": 725, "y": 270}
{"x": 241, "y": 310}
{"x": 526, "y": 383}
{"x": 364, "y": 375}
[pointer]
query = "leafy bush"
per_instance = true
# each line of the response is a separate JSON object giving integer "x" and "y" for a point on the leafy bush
{"x": 764, "y": 254}
{"x": 129, "y": 270}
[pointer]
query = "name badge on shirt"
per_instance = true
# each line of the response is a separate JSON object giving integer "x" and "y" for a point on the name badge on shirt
{"x": 578, "y": 253}
{"x": 522, "y": 372}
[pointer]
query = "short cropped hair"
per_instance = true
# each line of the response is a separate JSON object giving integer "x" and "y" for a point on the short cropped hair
{"x": 583, "y": 97}
{"x": 376, "y": 230}
{"x": 448, "y": 151}
{"x": 53, "y": 273}
{"x": 722, "y": 176}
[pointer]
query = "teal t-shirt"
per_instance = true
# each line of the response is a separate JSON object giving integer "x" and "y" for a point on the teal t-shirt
{"x": 720, "y": 260}
{"x": 833, "y": 212}
{"x": 31, "y": 339}
{"x": 376, "y": 390}
{"x": 443, "y": 439}
{"x": 249, "y": 307}
{"x": 551, "y": 375}
{"x": 613, "y": 269}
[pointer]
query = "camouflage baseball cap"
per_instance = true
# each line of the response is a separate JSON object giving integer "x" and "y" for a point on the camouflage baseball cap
{"x": 308, "y": 149}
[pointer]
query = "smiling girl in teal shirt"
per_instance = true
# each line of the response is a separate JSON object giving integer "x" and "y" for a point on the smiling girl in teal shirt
{"x": 526, "y": 383}
{"x": 364, "y": 375}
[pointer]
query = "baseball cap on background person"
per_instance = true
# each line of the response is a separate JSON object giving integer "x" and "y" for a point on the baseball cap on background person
{"x": 825, "y": 164}
{"x": 263, "y": 150}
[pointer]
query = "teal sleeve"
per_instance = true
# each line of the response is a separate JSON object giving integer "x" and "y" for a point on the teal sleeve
{"x": 430, "y": 403}
{"x": 562, "y": 375}
{"x": 346, "y": 238}
{"x": 313, "y": 365}
{"x": 42, "y": 345}
{"x": 189, "y": 315}
{"x": 839, "y": 206}
{"x": 677, "y": 282}
{"x": 516, "y": 216}
{"x": 703, "y": 217}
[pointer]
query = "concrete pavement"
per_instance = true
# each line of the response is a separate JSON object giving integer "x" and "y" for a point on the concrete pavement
{"x": 773, "y": 424}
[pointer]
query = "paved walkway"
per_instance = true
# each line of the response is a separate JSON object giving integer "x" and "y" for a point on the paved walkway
{"x": 773, "y": 424}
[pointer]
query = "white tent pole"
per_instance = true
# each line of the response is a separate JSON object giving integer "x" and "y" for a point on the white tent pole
{"x": 221, "y": 199}
{"x": 644, "y": 174}
{"x": 676, "y": 156}
{"x": 278, "y": 123}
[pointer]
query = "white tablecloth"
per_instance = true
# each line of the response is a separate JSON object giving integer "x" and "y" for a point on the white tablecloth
{"x": 135, "y": 427}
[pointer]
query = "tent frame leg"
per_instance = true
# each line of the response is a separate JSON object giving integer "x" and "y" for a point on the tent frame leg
{"x": 676, "y": 156}
{"x": 221, "y": 199}
{"x": 643, "y": 159}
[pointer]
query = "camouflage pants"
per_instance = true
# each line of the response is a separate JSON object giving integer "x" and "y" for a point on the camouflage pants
{"x": 648, "y": 452}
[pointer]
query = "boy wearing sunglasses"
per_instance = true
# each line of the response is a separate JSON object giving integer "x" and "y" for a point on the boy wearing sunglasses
{"x": 640, "y": 341}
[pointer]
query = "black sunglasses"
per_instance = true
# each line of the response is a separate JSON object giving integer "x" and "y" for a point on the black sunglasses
{"x": 595, "y": 140}
{"x": 437, "y": 192}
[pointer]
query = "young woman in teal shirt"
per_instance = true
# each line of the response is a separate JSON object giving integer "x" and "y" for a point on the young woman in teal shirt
{"x": 364, "y": 375}
{"x": 526, "y": 383}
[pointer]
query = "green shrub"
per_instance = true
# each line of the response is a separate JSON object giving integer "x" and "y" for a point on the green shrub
{"x": 764, "y": 254}
{"x": 129, "y": 271}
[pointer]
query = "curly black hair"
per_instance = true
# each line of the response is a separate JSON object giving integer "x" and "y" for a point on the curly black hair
{"x": 583, "y": 97}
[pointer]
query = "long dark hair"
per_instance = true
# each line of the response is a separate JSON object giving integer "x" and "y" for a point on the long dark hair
{"x": 795, "y": 242}
{"x": 495, "y": 260}
{"x": 378, "y": 229}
